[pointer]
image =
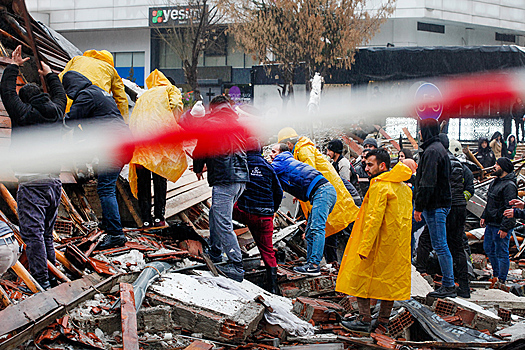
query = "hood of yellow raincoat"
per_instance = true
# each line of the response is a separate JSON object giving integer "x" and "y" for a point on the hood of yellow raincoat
{"x": 399, "y": 173}
{"x": 102, "y": 55}
{"x": 157, "y": 78}
{"x": 345, "y": 211}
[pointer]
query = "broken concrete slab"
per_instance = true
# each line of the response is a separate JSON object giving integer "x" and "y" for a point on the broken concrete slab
{"x": 516, "y": 331}
{"x": 491, "y": 297}
{"x": 202, "y": 308}
{"x": 309, "y": 286}
{"x": 484, "y": 319}
{"x": 419, "y": 286}
{"x": 316, "y": 310}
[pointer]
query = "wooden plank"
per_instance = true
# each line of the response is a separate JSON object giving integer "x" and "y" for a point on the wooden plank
{"x": 385, "y": 135}
{"x": 5, "y": 121}
{"x": 30, "y": 282}
{"x": 353, "y": 145}
{"x": 130, "y": 339}
{"x": 411, "y": 139}
{"x": 184, "y": 188}
{"x": 186, "y": 200}
{"x": 125, "y": 193}
{"x": 67, "y": 297}
{"x": 4, "y": 298}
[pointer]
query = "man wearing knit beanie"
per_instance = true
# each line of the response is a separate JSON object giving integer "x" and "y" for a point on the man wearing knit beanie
{"x": 498, "y": 226}
{"x": 433, "y": 200}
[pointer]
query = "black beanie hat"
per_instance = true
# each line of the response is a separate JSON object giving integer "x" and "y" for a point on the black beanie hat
{"x": 505, "y": 164}
{"x": 336, "y": 146}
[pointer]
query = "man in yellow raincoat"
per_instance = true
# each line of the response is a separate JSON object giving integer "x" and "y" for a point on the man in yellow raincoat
{"x": 98, "y": 66}
{"x": 303, "y": 149}
{"x": 158, "y": 109}
{"x": 376, "y": 263}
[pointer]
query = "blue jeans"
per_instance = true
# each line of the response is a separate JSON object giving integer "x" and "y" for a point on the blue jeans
{"x": 436, "y": 220}
{"x": 323, "y": 202}
{"x": 222, "y": 236}
{"x": 107, "y": 193}
{"x": 497, "y": 249}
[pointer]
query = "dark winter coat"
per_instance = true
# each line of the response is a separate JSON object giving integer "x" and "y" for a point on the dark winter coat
{"x": 432, "y": 187}
{"x": 44, "y": 111}
{"x": 354, "y": 179}
{"x": 263, "y": 193}
{"x": 297, "y": 178}
{"x": 500, "y": 193}
{"x": 353, "y": 192}
{"x": 485, "y": 155}
{"x": 228, "y": 162}
{"x": 461, "y": 180}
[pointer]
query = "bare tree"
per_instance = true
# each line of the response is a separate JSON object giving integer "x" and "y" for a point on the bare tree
{"x": 195, "y": 31}
{"x": 320, "y": 34}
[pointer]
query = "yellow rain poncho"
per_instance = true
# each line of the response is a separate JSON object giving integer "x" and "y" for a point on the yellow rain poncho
{"x": 158, "y": 109}
{"x": 345, "y": 210}
{"x": 381, "y": 233}
{"x": 98, "y": 66}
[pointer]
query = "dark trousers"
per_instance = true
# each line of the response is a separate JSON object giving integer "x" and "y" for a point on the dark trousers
{"x": 38, "y": 202}
{"x": 455, "y": 240}
{"x": 107, "y": 193}
{"x": 330, "y": 248}
{"x": 261, "y": 228}
{"x": 160, "y": 187}
{"x": 519, "y": 122}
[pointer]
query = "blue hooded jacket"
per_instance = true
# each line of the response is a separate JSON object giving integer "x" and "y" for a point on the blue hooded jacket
{"x": 263, "y": 193}
{"x": 297, "y": 178}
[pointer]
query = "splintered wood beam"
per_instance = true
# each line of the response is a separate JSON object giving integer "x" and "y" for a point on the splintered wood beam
{"x": 128, "y": 202}
{"x": 8, "y": 198}
{"x": 353, "y": 145}
{"x": 30, "y": 282}
{"x": 4, "y": 298}
{"x": 128, "y": 314}
{"x": 413, "y": 142}
{"x": 385, "y": 135}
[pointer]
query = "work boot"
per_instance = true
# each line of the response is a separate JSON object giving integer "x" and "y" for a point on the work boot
{"x": 443, "y": 292}
{"x": 271, "y": 280}
{"x": 464, "y": 289}
{"x": 112, "y": 241}
{"x": 159, "y": 223}
{"x": 358, "y": 325}
{"x": 233, "y": 271}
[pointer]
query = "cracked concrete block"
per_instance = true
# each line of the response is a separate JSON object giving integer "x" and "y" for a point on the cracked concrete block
{"x": 155, "y": 319}
{"x": 206, "y": 308}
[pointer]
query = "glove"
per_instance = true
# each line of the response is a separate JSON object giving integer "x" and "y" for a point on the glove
{"x": 467, "y": 195}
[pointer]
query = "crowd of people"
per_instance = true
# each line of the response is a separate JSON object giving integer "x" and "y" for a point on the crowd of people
{"x": 375, "y": 206}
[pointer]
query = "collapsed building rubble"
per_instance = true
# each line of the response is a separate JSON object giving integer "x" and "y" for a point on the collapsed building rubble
{"x": 160, "y": 291}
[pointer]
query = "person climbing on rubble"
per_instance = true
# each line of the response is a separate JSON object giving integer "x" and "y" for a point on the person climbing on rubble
{"x": 307, "y": 184}
{"x": 256, "y": 207}
{"x": 484, "y": 154}
{"x": 368, "y": 144}
{"x": 344, "y": 168}
{"x": 499, "y": 226}
{"x": 38, "y": 194}
{"x": 228, "y": 174}
{"x": 99, "y": 68}
{"x": 304, "y": 150}
{"x": 376, "y": 262}
{"x": 433, "y": 200}
{"x": 94, "y": 109}
{"x": 462, "y": 189}
{"x": 157, "y": 109}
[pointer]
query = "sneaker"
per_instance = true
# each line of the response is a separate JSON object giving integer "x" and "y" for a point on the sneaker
{"x": 233, "y": 271}
{"x": 308, "y": 269}
{"x": 443, "y": 292}
{"x": 159, "y": 223}
{"x": 45, "y": 285}
{"x": 111, "y": 241}
{"x": 357, "y": 326}
{"x": 146, "y": 225}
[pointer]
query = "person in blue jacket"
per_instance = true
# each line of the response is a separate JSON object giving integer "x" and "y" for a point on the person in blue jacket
{"x": 306, "y": 184}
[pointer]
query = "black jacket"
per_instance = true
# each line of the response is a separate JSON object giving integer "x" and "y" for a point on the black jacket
{"x": 500, "y": 193}
{"x": 485, "y": 155}
{"x": 44, "y": 112}
{"x": 94, "y": 107}
{"x": 432, "y": 187}
{"x": 460, "y": 181}
{"x": 263, "y": 194}
{"x": 225, "y": 158}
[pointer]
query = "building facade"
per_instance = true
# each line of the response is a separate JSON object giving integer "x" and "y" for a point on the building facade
{"x": 126, "y": 28}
